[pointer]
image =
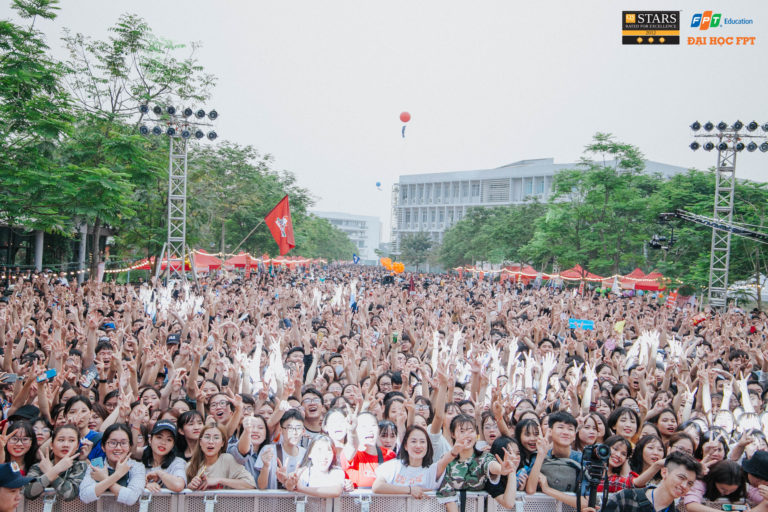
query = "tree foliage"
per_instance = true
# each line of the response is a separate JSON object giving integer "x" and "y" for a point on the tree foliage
{"x": 414, "y": 248}
{"x": 602, "y": 215}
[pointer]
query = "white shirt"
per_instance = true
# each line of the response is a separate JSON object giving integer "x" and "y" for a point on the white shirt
{"x": 290, "y": 463}
{"x": 395, "y": 472}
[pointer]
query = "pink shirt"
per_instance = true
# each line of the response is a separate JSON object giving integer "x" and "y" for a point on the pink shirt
{"x": 696, "y": 494}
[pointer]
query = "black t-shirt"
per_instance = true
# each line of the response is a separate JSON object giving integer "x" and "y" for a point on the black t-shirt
{"x": 497, "y": 489}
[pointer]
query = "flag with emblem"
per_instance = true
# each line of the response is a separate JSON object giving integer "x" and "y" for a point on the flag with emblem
{"x": 280, "y": 225}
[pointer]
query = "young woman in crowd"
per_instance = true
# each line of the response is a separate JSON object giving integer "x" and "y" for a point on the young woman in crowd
{"x": 116, "y": 471}
{"x": 188, "y": 428}
{"x": 725, "y": 479}
{"x": 64, "y": 473}
{"x": 319, "y": 474}
{"x": 164, "y": 469}
{"x": 212, "y": 468}
{"x": 20, "y": 445}
{"x": 648, "y": 458}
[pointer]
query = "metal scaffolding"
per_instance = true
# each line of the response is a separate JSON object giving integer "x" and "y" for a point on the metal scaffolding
{"x": 720, "y": 255}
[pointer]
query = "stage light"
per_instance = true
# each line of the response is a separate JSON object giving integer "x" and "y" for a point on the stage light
{"x": 188, "y": 112}
{"x": 157, "y": 110}
{"x": 752, "y": 126}
{"x": 200, "y": 114}
{"x": 171, "y": 131}
{"x": 171, "y": 109}
{"x": 722, "y": 146}
{"x": 764, "y": 147}
{"x": 212, "y": 135}
{"x": 722, "y": 126}
{"x": 739, "y": 146}
{"x": 695, "y": 145}
{"x": 709, "y": 146}
{"x": 199, "y": 134}
{"x": 143, "y": 130}
{"x": 738, "y": 125}
{"x": 212, "y": 115}
{"x": 157, "y": 130}
{"x": 144, "y": 108}
{"x": 708, "y": 126}
{"x": 696, "y": 126}
{"x": 751, "y": 147}
{"x": 185, "y": 134}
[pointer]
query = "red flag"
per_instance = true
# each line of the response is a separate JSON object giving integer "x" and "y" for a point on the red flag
{"x": 280, "y": 225}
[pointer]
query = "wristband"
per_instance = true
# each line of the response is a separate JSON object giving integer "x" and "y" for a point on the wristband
{"x": 103, "y": 381}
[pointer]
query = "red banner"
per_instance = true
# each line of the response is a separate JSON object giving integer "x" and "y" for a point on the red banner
{"x": 280, "y": 225}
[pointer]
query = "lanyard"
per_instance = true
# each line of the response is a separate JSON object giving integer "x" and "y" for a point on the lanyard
{"x": 653, "y": 506}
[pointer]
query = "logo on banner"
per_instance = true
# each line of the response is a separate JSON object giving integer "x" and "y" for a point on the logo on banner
{"x": 650, "y": 27}
{"x": 281, "y": 223}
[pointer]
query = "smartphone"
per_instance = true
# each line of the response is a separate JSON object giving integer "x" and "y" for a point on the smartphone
{"x": 49, "y": 374}
{"x": 11, "y": 378}
{"x": 89, "y": 376}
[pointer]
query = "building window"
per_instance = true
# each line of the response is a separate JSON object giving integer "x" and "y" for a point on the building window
{"x": 540, "y": 186}
{"x": 456, "y": 190}
{"x": 433, "y": 216}
{"x": 424, "y": 216}
{"x": 442, "y": 216}
{"x": 464, "y": 189}
{"x": 475, "y": 189}
{"x": 405, "y": 193}
{"x": 407, "y": 217}
{"x": 528, "y": 186}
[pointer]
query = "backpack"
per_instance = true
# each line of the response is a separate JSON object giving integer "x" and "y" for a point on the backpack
{"x": 562, "y": 474}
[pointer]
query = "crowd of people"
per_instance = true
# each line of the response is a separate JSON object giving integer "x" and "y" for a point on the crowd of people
{"x": 326, "y": 380}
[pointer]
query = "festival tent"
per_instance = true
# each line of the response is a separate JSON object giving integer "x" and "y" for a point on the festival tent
{"x": 651, "y": 282}
{"x": 578, "y": 273}
{"x": 527, "y": 273}
{"x": 205, "y": 262}
{"x": 241, "y": 260}
{"x": 626, "y": 282}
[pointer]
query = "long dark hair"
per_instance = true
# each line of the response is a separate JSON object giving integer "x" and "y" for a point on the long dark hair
{"x": 611, "y": 442}
{"x": 524, "y": 426}
{"x": 148, "y": 458}
{"x": 636, "y": 461}
{"x": 28, "y": 431}
{"x": 725, "y": 472}
{"x": 186, "y": 417}
{"x": 403, "y": 455}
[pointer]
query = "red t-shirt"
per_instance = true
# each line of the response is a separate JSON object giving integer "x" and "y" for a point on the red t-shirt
{"x": 361, "y": 470}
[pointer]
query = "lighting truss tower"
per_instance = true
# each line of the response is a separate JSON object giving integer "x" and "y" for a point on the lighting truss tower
{"x": 179, "y": 127}
{"x": 728, "y": 140}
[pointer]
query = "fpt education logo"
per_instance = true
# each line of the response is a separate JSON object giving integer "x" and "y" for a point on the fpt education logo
{"x": 715, "y": 24}
{"x": 650, "y": 27}
{"x": 709, "y": 19}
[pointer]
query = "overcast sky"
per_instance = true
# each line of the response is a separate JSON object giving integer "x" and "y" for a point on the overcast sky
{"x": 320, "y": 84}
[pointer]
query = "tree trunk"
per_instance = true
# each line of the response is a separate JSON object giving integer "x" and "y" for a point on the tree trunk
{"x": 96, "y": 259}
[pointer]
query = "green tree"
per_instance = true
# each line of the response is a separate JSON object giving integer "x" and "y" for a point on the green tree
{"x": 109, "y": 79}
{"x": 34, "y": 114}
{"x": 414, "y": 248}
{"x": 318, "y": 238}
{"x": 600, "y": 214}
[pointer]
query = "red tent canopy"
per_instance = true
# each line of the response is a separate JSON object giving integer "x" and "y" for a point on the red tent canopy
{"x": 241, "y": 260}
{"x": 205, "y": 261}
{"x": 578, "y": 273}
{"x": 651, "y": 282}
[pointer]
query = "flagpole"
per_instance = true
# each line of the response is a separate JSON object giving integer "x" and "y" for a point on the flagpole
{"x": 248, "y": 235}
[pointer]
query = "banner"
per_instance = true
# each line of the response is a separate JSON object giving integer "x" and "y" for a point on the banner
{"x": 280, "y": 225}
{"x": 576, "y": 323}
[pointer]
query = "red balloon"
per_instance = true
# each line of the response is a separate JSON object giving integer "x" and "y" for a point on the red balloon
{"x": 405, "y": 117}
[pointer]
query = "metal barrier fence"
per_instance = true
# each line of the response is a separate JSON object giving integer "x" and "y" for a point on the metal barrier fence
{"x": 282, "y": 501}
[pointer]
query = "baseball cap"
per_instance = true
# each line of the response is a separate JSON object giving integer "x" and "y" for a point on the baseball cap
{"x": 10, "y": 476}
{"x": 163, "y": 425}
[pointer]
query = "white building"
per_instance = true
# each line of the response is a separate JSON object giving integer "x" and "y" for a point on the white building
{"x": 365, "y": 232}
{"x": 433, "y": 202}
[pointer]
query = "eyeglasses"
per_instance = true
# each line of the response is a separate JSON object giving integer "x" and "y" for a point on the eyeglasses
{"x": 422, "y": 407}
{"x": 211, "y": 438}
{"x": 221, "y": 403}
{"x": 294, "y": 429}
{"x": 311, "y": 401}
{"x": 42, "y": 430}
{"x": 115, "y": 444}
{"x": 20, "y": 440}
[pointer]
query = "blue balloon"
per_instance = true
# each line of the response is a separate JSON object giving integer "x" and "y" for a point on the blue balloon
{"x": 378, "y": 183}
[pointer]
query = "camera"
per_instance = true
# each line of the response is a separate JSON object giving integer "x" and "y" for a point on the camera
{"x": 594, "y": 465}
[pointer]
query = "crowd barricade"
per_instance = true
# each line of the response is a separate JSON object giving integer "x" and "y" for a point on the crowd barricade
{"x": 283, "y": 501}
